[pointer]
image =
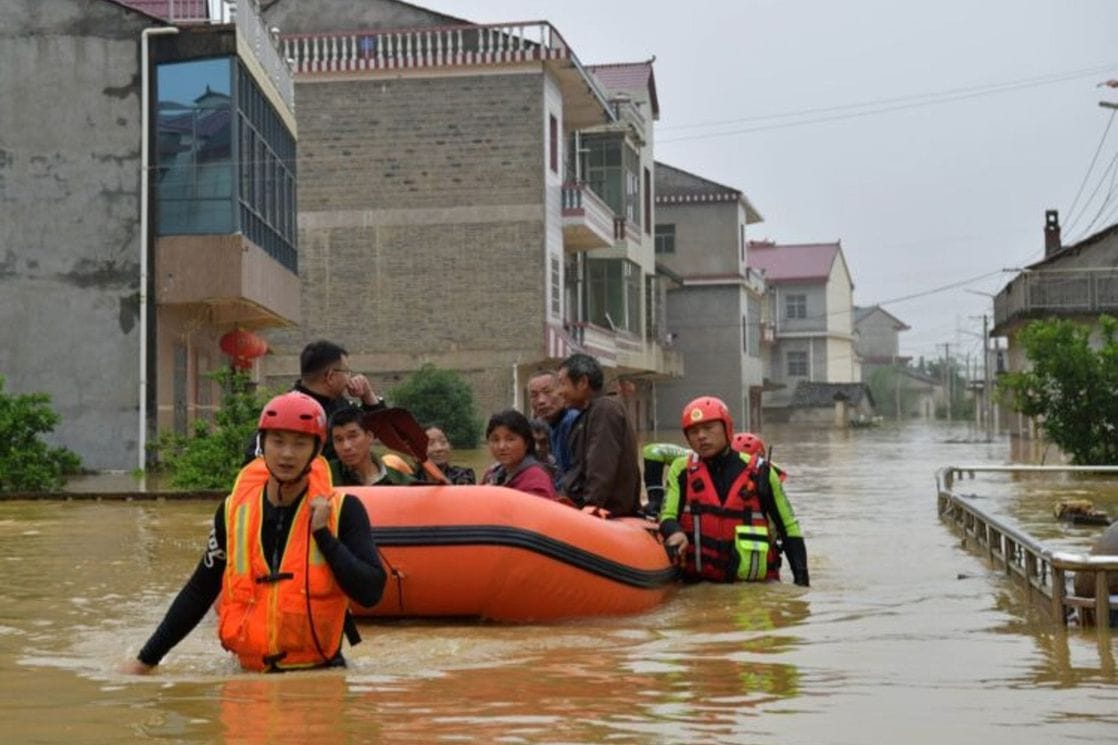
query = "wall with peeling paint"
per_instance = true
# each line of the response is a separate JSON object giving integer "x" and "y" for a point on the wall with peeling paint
{"x": 69, "y": 237}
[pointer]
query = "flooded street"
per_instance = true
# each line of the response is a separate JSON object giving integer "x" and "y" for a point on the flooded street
{"x": 903, "y": 637}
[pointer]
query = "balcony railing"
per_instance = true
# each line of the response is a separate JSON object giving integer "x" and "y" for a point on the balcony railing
{"x": 626, "y": 230}
{"x": 587, "y": 220}
{"x": 1070, "y": 292}
{"x": 443, "y": 46}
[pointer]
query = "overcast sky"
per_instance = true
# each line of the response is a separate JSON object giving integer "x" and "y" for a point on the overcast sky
{"x": 922, "y": 196}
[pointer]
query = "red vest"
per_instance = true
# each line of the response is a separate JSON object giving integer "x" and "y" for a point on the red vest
{"x": 733, "y": 534}
{"x": 274, "y": 623}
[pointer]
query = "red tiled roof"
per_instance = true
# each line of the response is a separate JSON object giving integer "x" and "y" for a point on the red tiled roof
{"x": 792, "y": 263}
{"x": 629, "y": 76}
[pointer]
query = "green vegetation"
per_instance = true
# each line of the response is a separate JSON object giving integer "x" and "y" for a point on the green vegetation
{"x": 1072, "y": 389}
{"x": 888, "y": 387}
{"x": 435, "y": 395}
{"x": 26, "y": 462}
{"x": 212, "y": 455}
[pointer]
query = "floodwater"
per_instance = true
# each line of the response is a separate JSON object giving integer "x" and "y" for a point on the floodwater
{"x": 903, "y": 637}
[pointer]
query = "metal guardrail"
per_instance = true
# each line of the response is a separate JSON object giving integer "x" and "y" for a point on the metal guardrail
{"x": 1042, "y": 570}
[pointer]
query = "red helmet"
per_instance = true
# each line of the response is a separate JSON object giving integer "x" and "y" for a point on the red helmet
{"x": 295, "y": 412}
{"x": 707, "y": 409}
{"x": 747, "y": 442}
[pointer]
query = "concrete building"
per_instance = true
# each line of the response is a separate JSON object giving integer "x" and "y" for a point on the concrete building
{"x": 1077, "y": 282}
{"x": 810, "y": 308}
{"x": 471, "y": 196}
{"x": 149, "y": 209}
{"x": 714, "y": 313}
{"x": 877, "y": 339}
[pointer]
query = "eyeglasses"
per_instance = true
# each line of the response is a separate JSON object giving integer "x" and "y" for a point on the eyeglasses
{"x": 343, "y": 370}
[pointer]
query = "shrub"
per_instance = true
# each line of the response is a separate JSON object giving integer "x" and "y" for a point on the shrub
{"x": 26, "y": 462}
{"x": 212, "y": 456}
{"x": 435, "y": 395}
{"x": 1071, "y": 388}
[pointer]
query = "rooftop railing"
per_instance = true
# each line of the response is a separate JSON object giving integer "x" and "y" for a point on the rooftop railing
{"x": 1058, "y": 292}
{"x": 1042, "y": 571}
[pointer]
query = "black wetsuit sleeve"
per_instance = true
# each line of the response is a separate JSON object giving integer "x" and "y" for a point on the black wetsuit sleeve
{"x": 352, "y": 556}
{"x": 193, "y": 600}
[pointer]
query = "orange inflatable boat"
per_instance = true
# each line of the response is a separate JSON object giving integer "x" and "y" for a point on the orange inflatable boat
{"x": 495, "y": 553}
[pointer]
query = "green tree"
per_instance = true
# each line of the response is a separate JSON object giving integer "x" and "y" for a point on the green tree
{"x": 883, "y": 384}
{"x": 26, "y": 462}
{"x": 436, "y": 395}
{"x": 1071, "y": 389}
{"x": 212, "y": 455}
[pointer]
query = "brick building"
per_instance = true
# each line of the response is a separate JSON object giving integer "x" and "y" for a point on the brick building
{"x": 443, "y": 218}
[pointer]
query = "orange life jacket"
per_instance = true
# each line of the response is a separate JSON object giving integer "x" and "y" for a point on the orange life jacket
{"x": 267, "y": 619}
{"x": 736, "y": 539}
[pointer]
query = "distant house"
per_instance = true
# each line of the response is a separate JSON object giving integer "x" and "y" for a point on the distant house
{"x": 1077, "y": 282}
{"x": 810, "y": 319}
{"x": 830, "y": 403}
{"x": 876, "y": 338}
{"x": 714, "y": 312}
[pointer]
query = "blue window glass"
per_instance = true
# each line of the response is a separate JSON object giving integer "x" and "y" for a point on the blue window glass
{"x": 194, "y": 147}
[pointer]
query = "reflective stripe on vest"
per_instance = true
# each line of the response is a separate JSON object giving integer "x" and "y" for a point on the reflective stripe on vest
{"x": 735, "y": 535}
{"x": 263, "y": 616}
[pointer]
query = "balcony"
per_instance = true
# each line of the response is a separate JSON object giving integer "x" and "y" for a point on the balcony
{"x": 596, "y": 341}
{"x": 356, "y": 53}
{"x": 1074, "y": 292}
{"x": 229, "y": 275}
{"x": 587, "y": 220}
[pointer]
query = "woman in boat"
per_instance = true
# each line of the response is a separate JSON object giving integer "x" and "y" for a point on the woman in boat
{"x": 509, "y": 435}
{"x": 438, "y": 451}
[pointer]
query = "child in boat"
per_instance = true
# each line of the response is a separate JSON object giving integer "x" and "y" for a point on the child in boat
{"x": 509, "y": 435}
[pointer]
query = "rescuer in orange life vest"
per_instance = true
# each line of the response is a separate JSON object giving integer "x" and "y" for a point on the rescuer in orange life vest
{"x": 287, "y": 553}
{"x": 727, "y": 503}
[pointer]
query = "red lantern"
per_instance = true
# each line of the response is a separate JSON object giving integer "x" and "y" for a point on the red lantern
{"x": 243, "y": 346}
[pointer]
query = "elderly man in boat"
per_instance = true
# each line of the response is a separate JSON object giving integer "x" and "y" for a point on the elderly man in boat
{"x": 283, "y": 539}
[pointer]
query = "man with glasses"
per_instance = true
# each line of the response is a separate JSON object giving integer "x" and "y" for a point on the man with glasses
{"x": 325, "y": 376}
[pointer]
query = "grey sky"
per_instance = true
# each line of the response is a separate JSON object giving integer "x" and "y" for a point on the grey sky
{"x": 921, "y": 197}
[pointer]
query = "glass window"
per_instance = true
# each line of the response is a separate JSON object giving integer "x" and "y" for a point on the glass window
{"x": 753, "y": 327}
{"x": 665, "y": 239}
{"x": 797, "y": 364}
{"x": 795, "y": 306}
{"x": 193, "y": 150}
{"x": 614, "y": 299}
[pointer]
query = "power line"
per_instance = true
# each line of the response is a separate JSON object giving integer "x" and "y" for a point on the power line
{"x": 1092, "y": 166}
{"x": 984, "y": 87}
{"x": 885, "y": 109}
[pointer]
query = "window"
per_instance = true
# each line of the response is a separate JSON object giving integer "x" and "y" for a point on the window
{"x": 647, "y": 202}
{"x": 741, "y": 241}
{"x": 753, "y": 330}
{"x": 614, "y": 300}
{"x": 194, "y": 147}
{"x": 556, "y": 288}
{"x": 795, "y": 306}
{"x": 665, "y": 239}
{"x": 612, "y": 169}
{"x": 553, "y": 142}
{"x": 744, "y": 335}
{"x": 797, "y": 364}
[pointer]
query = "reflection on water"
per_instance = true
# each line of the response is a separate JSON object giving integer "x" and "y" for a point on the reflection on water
{"x": 904, "y": 635}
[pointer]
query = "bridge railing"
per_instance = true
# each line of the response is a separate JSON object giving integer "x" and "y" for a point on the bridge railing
{"x": 1042, "y": 571}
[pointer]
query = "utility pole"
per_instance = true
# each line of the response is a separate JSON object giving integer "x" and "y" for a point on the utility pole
{"x": 987, "y": 389}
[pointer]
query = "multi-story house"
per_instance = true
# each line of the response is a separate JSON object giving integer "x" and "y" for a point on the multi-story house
{"x": 810, "y": 308}
{"x": 1077, "y": 282}
{"x": 876, "y": 338}
{"x": 471, "y": 196}
{"x": 714, "y": 314}
{"x": 147, "y": 158}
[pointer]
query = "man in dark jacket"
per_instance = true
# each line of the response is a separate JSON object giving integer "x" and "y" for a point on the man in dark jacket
{"x": 325, "y": 376}
{"x": 604, "y": 469}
